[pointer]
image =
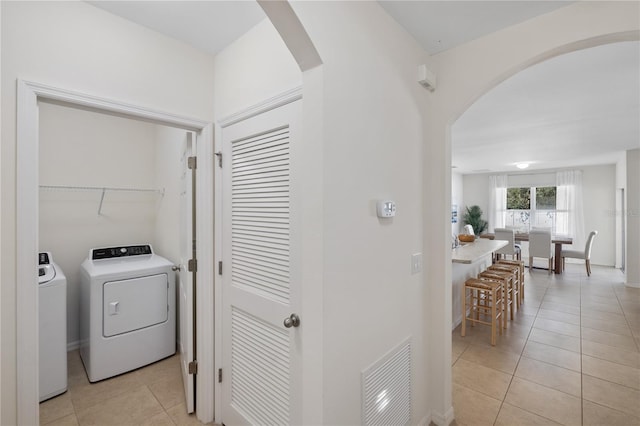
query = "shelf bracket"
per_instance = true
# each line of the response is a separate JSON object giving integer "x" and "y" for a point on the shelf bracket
{"x": 101, "y": 201}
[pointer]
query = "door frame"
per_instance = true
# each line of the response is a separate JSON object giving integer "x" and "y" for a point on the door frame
{"x": 27, "y": 202}
{"x": 274, "y": 102}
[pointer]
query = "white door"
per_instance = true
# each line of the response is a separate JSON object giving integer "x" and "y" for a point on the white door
{"x": 187, "y": 278}
{"x": 261, "y": 365}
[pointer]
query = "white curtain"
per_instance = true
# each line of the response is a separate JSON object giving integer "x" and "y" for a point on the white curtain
{"x": 497, "y": 202}
{"x": 570, "y": 213}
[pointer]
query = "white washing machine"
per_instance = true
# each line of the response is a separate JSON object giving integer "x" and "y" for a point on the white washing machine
{"x": 52, "y": 319}
{"x": 127, "y": 310}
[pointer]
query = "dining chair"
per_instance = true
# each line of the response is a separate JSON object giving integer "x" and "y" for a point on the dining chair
{"x": 540, "y": 246}
{"x": 511, "y": 249}
{"x": 579, "y": 254}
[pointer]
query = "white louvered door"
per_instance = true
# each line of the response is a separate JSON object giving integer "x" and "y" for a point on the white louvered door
{"x": 260, "y": 356}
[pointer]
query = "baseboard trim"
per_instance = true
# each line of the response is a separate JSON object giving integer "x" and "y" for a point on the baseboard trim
{"x": 443, "y": 420}
{"x": 456, "y": 322}
{"x": 633, "y": 285}
{"x": 72, "y": 346}
{"x": 426, "y": 420}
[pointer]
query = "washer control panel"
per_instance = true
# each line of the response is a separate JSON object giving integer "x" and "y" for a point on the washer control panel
{"x": 45, "y": 268}
{"x": 123, "y": 251}
{"x": 43, "y": 259}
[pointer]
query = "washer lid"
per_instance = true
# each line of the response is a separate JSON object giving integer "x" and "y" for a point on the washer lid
{"x": 46, "y": 273}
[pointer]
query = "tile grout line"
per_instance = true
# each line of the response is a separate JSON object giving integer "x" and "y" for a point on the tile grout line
{"x": 520, "y": 357}
{"x": 581, "y": 362}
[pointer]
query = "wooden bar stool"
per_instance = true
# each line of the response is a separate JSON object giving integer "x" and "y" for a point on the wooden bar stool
{"x": 520, "y": 264}
{"x": 517, "y": 278}
{"x": 506, "y": 279}
{"x": 485, "y": 299}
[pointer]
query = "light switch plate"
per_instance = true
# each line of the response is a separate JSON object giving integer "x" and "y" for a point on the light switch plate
{"x": 416, "y": 263}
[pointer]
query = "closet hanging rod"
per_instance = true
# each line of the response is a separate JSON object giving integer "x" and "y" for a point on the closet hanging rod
{"x": 101, "y": 188}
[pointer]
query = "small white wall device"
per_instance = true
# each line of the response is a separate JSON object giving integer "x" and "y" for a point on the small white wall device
{"x": 386, "y": 208}
{"x": 426, "y": 78}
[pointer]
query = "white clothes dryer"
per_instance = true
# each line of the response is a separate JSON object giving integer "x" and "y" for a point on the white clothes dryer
{"x": 52, "y": 322}
{"x": 127, "y": 310}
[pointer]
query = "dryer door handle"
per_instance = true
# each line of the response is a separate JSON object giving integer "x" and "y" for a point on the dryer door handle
{"x": 114, "y": 308}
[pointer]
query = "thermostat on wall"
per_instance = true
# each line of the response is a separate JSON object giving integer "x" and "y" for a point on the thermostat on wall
{"x": 386, "y": 208}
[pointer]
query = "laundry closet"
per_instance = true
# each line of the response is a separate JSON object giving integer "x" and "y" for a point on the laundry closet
{"x": 107, "y": 181}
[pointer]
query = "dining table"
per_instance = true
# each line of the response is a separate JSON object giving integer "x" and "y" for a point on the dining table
{"x": 556, "y": 240}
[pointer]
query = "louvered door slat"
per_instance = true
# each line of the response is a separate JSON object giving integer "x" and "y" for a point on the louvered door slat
{"x": 273, "y": 166}
{"x": 253, "y": 281}
{"x": 268, "y": 260}
{"x": 252, "y": 142}
{"x": 279, "y": 150}
{"x": 274, "y": 176}
{"x": 260, "y": 271}
{"x": 269, "y": 250}
{"x": 263, "y": 220}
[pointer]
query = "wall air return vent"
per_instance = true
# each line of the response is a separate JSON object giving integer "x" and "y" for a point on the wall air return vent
{"x": 386, "y": 388}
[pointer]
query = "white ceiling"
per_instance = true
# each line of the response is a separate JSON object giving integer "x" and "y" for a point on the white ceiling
{"x": 436, "y": 25}
{"x": 576, "y": 109}
{"x": 441, "y": 25}
{"x": 207, "y": 25}
{"x": 581, "y": 108}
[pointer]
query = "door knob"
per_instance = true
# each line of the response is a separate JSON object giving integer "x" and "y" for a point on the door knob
{"x": 176, "y": 268}
{"x": 292, "y": 321}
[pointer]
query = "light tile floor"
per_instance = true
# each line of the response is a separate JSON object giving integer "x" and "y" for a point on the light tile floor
{"x": 152, "y": 395}
{"x": 570, "y": 357}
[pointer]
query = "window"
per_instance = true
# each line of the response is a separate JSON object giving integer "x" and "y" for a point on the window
{"x": 531, "y": 207}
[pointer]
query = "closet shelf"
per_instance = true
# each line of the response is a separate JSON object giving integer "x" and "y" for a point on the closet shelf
{"x": 103, "y": 189}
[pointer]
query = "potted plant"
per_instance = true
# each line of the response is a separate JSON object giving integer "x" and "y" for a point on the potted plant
{"x": 473, "y": 217}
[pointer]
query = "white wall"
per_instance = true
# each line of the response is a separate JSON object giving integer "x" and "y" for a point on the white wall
{"x": 476, "y": 193}
{"x": 73, "y": 45}
{"x": 457, "y": 198}
{"x": 599, "y": 198}
{"x": 621, "y": 185}
{"x": 80, "y": 148}
{"x": 1, "y": 209}
{"x": 599, "y": 189}
{"x": 371, "y": 150}
{"x": 633, "y": 218}
{"x": 254, "y": 68}
{"x": 169, "y": 144}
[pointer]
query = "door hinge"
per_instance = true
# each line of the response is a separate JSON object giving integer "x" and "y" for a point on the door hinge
{"x": 193, "y": 367}
{"x": 219, "y": 155}
{"x": 192, "y": 265}
{"x": 220, "y": 268}
{"x": 219, "y": 375}
{"x": 192, "y": 163}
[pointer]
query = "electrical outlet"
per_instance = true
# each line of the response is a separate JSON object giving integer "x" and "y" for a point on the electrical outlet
{"x": 416, "y": 263}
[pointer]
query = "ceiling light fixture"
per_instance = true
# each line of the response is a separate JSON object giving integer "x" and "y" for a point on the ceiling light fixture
{"x": 522, "y": 166}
